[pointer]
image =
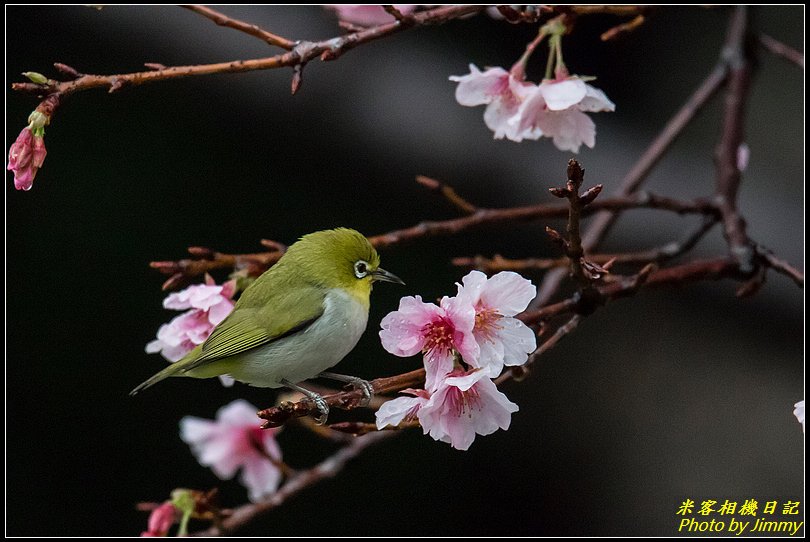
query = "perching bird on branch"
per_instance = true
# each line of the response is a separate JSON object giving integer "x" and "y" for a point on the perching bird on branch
{"x": 298, "y": 319}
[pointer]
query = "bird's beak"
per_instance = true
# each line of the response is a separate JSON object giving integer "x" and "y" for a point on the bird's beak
{"x": 385, "y": 276}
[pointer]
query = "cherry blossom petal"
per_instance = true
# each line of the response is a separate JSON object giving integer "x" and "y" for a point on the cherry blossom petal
{"x": 569, "y": 129}
{"x": 595, "y": 100}
{"x": 401, "y": 332}
{"x": 518, "y": 341}
{"x": 560, "y": 95}
{"x": 394, "y": 411}
{"x": 260, "y": 477}
{"x": 799, "y": 412}
{"x": 238, "y": 413}
{"x": 479, "y": 88}
{"x": 507, "y": 292}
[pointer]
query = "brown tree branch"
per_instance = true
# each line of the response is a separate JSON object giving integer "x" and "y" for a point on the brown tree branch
{"x": 781, "y": 266}
{"x": 206, "y": 260}
{"x": 448, "y": 192}
{"x": 327, "y": 468}
{"x": 347, "y": 400}
{"x": 301, "y": 53}
{"x": 733, "y": 125}
{"x": 486, "y": 217}
{"x": 659, "y": 254}
{"x": 781, "y": 49}
{"x": 572, "y": 245}
{"x": 251, "y": 29}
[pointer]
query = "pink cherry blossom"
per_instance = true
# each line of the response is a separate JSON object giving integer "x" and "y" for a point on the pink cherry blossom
{"x": 503, "y": 94}
{"x": 209, "y": 304}
{"x": 25, "y": 157}
{"x": 161, "y": 520}
{"x": 799, "y": 412}
{"x": 557, "y": 107}
{"x": 502, "y": 339}
{"x": 464, "y": 405}
{"x": 437, "y": 331}
{"x": 368, "y": 15}
{"x": 236, "y": 441}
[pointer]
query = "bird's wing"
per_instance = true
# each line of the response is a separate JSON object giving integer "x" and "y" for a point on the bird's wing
{"x": 249, "y": 326}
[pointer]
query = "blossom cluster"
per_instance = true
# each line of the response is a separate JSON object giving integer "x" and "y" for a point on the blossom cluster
{"x": 518, "y": 109}
{"x": 465, "y": 341}
{"x": 206, "y": 305}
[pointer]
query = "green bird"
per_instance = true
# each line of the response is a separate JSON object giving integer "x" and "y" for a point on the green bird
{"x": 298, "y": 319}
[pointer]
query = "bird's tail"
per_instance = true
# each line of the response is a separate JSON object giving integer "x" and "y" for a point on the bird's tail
{"x": 171, "y": 370}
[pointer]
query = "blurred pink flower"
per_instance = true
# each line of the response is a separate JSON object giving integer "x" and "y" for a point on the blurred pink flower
{"x": 438, "y": 331}
{"x": 368, "y": 15}
{"x": 502, "y": 340}
{"x": 25, "y": 157}
{"x": 503, "y": 94}
{"x": 556, "y": 108}
{"x": 799, "y": 412}
{"x": 235, "y": 441}
{"x": 464, "y": 405}
{"x": 209, "y": 304}
{"x": 161, "y": 520}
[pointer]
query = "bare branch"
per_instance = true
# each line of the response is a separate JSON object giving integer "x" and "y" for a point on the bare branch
{"x": 781, "y": 49}
{"x": 659, "y": 254}
{"x": 223, "y": 20}
{"x": 781, "y": 266}
{"x": 728, "y": 173}
{"x": 327, "y": 468}
{"x": 448, "y": 192}
{"x": 301, "y": 53}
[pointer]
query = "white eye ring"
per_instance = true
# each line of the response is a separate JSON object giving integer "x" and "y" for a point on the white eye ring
{"x": 360, "y": 269}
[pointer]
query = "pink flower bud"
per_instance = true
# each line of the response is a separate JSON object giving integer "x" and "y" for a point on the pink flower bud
{"x": 161, "y": 520}
{"x": 25, "y": 157}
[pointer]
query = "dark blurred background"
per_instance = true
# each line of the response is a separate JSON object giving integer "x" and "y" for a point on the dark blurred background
{"x": 673, "y": 394}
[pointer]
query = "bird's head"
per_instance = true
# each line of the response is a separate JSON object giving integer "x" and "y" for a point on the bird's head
{"x": 339, "y": 258}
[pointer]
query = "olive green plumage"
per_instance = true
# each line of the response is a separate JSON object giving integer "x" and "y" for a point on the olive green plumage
{"x": 296, "y": 320}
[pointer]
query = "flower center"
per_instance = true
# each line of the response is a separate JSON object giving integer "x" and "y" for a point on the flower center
{"x": 439, "y": 337}
{"x": 486, "y": 323}
{"x": 462, "y": 403}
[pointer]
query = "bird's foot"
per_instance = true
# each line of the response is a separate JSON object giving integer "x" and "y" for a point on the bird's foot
{"x": 323, "y": 408}
{"x": 357, "y": 383}
{"x": 319, "y": 402}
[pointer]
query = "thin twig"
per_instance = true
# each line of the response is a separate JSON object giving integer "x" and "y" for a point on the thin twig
{"x": 448, "y": 192}
{"x": 659, "y": 254}
{"x": 223, "y": 20}
{"x": 781, "y": 266}
{"x": 206, "y": 260}
{"x": 576, "y": 205}
{"x": 781, "y": 49}
{"x": 486, "y": 217}
{"x": 623, "y": 28}
{"x": 327, "y": 468}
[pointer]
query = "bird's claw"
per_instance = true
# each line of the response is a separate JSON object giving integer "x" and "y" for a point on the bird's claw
{"x": 367, "y": 389}
{"x": 323, "y": 408}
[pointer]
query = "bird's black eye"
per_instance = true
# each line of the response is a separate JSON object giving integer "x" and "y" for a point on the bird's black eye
{"x": 360, "y": 269}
